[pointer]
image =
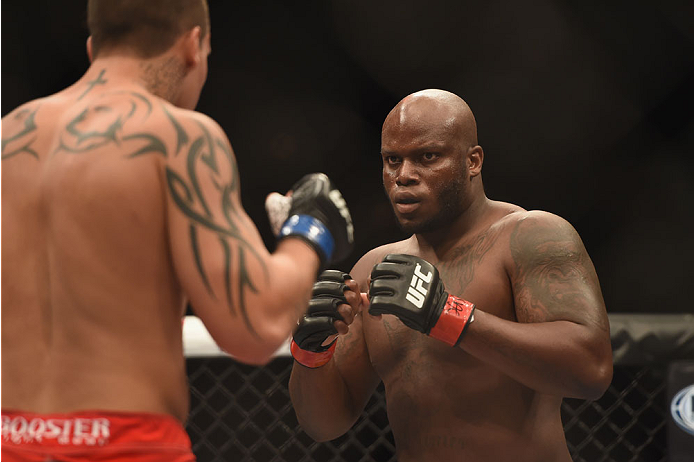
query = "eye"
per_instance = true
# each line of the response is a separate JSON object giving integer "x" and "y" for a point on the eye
{"x": 392, "y": 160}
{"x": 429, "y": 156}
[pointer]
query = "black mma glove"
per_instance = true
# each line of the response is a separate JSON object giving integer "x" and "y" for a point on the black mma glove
{"x": 317, "y": 324}
{"x": 319, "y": 215}
{"x": 409, "y": 287}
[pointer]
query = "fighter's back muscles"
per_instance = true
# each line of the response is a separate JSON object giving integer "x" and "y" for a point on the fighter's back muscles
{"x": 91, "y": 310}
{"x": 328, "y": 400}
{"x": 92, "y": 281}
{"x": 19, "y": 132}
{"x": 218, "y": 255}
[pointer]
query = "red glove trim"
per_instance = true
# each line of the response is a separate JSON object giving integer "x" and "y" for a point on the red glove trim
{"x": 456, "y": 315}
{"x": 311, "y": 358}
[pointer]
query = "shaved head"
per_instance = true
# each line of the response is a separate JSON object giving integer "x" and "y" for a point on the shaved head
{"x": 437, "y": 111}
{"x": 431, "y": 160}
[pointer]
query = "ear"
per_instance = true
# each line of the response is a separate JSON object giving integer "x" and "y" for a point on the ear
{"x": 475, "y": 157}
{"x": 89, "y": 49}
{"x": 192, "y": 47}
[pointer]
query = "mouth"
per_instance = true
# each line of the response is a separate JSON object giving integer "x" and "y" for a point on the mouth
{"x": 405, "y": 204}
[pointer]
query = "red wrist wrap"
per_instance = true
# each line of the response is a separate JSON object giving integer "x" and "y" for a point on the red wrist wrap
{"x": 310, "y": 358}
{"x": 453, "y": 320}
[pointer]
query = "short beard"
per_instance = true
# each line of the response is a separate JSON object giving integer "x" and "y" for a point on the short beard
{"x": 450, "y": 200}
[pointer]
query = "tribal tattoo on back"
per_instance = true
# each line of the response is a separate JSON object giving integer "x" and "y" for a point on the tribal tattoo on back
{"x": 21, "y": 141}
{"x": 121, "y": 123}
{"x": 205, "y": 156}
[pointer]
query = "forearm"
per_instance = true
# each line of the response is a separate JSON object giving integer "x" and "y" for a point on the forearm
{"x": 292, "y": 270}
{"x": 322, "y": 401}
{"x": 254, "y": 314}
{"x": 560, "y": 357}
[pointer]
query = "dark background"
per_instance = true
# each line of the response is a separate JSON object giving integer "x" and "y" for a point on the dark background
{"x": 585, "y": 109}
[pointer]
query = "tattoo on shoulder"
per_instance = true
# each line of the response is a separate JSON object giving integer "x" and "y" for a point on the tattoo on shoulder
{"x": 104, "y": 124}
{"x": 554, "y": 278}
{"x": 209, "y": 156}
{"x": 181, "y": 135}
{"x": 19, "y": 140}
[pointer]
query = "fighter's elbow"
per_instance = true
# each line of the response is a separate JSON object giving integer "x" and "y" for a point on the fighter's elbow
{"x": 264, "y": 348}
{"x": 254, "y": 358}
{"x": 324, "y": 438}
{"x": 597, "y": 379}
{"x": 247, "y": 351}
{"x": 327, "y": 431}
{"x": 275, "y": 332}
{"x": 257, "y": 347}
{"x": 319, "y": 436}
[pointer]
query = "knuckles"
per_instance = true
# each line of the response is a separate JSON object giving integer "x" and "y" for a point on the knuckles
{"x": 340, "y": 294}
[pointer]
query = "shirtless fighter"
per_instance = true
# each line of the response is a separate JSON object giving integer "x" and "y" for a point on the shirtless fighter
{"x": 119, "y": 203}
{"x": 478, "y": 324}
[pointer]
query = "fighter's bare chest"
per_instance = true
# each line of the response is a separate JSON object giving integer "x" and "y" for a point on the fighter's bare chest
{"x": 473, "y": 271}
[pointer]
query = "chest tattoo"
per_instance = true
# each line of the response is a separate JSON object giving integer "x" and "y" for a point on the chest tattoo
{"x": 458, "y": 269}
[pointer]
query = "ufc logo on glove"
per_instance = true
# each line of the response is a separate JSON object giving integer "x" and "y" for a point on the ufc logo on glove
{"x": 410, "y": 288}
{"x": 416, "y": 293}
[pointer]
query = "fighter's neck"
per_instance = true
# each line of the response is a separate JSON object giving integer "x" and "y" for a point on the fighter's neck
{"x": 124, "y": 71}
{"x": 447, "y": 237}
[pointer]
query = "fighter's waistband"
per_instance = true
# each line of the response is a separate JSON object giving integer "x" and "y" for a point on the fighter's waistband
{"x": 93, "y": 429}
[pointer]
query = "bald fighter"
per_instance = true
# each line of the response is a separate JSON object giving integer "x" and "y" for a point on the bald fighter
{"x": 119, "y": 205}
{"x": 478, "y": 324}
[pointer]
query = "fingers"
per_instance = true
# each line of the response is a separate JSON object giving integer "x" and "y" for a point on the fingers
{"x": 353, "y": 298}
{"x": 365, "y": 302}
{"x": 330, "y": 339}
{"x": 386, "y": 270}
{"x": 352, "y": 285}
{"x": 277, "y": 207}
{"x": 341, "y": 328}
{"x": 357, "y": 301}
{"x": 351, "y": 310}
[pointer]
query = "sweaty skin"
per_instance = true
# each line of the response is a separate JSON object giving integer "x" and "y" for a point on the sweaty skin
{"x": 117, "y": 208}
{"x": 540, "y": 331}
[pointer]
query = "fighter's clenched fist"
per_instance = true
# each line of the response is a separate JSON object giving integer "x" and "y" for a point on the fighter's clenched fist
{"x": 331, "y": 309}
{"x": 319, "y": 215}
{"x": 541, "y": 334}
{"x": 409, "y": 287}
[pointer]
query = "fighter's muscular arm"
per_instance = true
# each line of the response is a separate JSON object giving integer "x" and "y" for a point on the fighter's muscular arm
{"x": 329, "y": 399}
{"x": 248, "y": 299}
{"x": 561, "y": 344}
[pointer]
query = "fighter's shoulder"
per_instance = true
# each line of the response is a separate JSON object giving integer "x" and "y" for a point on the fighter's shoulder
{"x": 22, "y": 112}
{"x": 193, "y": 132}
{"x": 362, "y": 269}
{"x": 531, "y": 221}
{"x": 191, "y": 121}
{"x": 536, "y": 237}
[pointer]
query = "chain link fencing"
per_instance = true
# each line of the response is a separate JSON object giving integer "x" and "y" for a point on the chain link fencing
{"x": 243, "y": 413}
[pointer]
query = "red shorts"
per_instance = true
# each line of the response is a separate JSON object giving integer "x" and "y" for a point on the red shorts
{"x": 93, "y": 436}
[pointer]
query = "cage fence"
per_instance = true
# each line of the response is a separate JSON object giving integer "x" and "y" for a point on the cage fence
{"x": 244, "y": 413}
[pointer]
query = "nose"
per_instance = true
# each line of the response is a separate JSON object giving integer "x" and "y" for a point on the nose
{"x": 407, "y": 174}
